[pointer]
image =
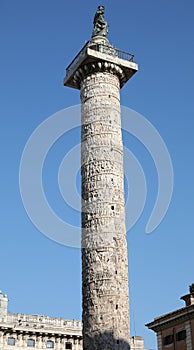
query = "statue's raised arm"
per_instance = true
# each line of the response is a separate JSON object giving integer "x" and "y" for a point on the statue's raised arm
{"x": 100, "y": 25}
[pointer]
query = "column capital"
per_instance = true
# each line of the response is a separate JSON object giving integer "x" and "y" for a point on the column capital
{"x": 98, "y": 55}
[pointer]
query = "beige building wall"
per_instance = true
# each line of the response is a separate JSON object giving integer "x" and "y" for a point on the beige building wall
{"x": 20, "y": 331}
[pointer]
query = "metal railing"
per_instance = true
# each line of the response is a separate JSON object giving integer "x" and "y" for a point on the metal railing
{"x": 76, "y": 57}
{"x": 109, "y": 50}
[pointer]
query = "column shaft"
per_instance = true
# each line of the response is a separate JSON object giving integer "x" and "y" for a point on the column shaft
{"x": 104, "y": 249}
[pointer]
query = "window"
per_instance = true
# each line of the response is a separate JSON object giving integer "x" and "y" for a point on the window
{"x": 31, "y": 342}
{"x": 50, "y": 344}
{"x": 169, "y": 339}
{"x": 11, "y": 341}
{"x": 181, "y": 335}
{"x": 68, "y": 346}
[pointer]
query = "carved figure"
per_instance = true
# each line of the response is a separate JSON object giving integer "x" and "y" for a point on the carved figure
{"x": 100, "y": 25}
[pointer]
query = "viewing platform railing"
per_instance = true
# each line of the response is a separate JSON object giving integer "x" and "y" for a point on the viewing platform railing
{"x": 105, "y": 49}
{"x": 109, "y": 50}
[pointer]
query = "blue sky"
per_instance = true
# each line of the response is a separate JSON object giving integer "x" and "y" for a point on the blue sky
{"x": 38, "y": 41}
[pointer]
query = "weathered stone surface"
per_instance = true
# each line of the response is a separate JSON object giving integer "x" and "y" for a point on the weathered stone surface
{"x": 104, "y": 249}
{"x": 98, "y": 55}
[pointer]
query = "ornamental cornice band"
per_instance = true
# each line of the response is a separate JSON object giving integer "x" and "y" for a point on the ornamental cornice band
{"x": 99, "y": 66}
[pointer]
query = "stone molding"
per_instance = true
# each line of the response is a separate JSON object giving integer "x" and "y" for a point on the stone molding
{"x": 98, "y": 66}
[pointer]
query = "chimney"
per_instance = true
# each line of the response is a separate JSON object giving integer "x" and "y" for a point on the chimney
{"x": 189, "y": 298}
{"x": 3, "y": 305}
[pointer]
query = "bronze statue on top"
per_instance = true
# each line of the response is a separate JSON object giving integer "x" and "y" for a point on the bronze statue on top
{"x": 100, "y": 25}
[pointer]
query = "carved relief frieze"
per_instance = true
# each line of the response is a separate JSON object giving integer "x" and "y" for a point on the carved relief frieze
{"x": 104, "y": 250}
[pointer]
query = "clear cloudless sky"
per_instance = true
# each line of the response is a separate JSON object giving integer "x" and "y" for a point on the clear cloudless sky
{"x": 38, "y": 41}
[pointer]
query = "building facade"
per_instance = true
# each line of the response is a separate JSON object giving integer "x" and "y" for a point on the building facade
{"x": 175, "y": 330}
{"x": 20, "y": 331}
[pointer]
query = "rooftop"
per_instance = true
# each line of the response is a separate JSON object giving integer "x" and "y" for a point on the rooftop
{"x": 38, "y": 323}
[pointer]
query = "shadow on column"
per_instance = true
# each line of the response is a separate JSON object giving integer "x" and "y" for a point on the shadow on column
{"x": 105, "y": 341}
